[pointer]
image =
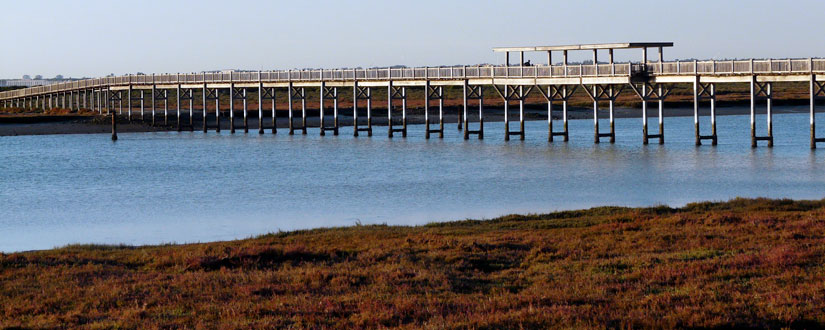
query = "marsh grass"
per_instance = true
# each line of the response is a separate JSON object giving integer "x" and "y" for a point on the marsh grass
{"x": 754, "y": 263}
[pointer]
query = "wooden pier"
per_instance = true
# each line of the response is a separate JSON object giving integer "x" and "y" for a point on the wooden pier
{"x": 602, "y": 81}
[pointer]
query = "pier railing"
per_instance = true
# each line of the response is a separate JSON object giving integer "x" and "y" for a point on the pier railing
{"x": 769, "y": 66}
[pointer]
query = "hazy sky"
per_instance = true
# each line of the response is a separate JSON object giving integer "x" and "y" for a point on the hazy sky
{"x": 94, "y": 38}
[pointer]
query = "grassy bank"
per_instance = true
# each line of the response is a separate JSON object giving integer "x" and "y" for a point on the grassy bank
{"x": 744, "y": 263}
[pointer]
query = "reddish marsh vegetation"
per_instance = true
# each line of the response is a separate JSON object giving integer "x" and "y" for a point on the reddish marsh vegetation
{"x": 744, "y": 263}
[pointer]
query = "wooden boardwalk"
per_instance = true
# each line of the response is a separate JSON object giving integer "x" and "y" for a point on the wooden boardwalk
{"x": 602, "y": 81}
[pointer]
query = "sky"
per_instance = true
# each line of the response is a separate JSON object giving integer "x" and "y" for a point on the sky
{"x": 96, "y": 38}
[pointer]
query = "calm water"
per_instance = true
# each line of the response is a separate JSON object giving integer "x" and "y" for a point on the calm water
{"x": 189, "y": 187}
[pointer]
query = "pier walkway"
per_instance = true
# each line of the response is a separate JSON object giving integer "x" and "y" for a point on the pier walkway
{"x": 602, "y": 81}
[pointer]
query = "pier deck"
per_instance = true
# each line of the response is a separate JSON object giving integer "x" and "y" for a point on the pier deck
{"x": 601, "y": 81}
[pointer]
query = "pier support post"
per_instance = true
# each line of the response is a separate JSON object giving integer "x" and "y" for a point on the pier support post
{"x": 404, "y": 112}
{"x": 204, "y": 96}
{"x": 260, "y": 105}
{"x": 440, "y": 93}
{"x": 396, "y": 93}
{"x": 154, "y": 95}
{"x": 165, "y": 107}
{"x": 369, "y": 111}
{"x": 652, "y": 92}
{"x": 114, "y": 126}
{"x": 389, "y": 109}
{"x": 506, "y": 117}
{"x": 245, "y": 111}
{"x": 303, "y": 111}
{"x": 129, "y": 104}
{"x": 661, "y": 115}
{"x": 508, "y": 94}
{"x": 473, "y": 92}
{"x": 335, "y": 111}
{"x": 521, "y": 110}
{"x": 760, "y": 91}
{"x": 817, "y": 89}
{"x": 433, "y": 92}
{"x": 232, "y": 108}
{"x": 607, "y": 93}
{"x": 274, "y": 111}
{"x": 704, "y": 91}
{"x": 191, "y": 96}
{"x": 355, "y": 92}
{"x": 212, "y": 94}
{"x": 359, "y": 92}
{"x": 612, "y": 123}
{"x": 464, "y": 109}
{"x": 696, "y": 111}
{"x": 290, "y": 92}
{"x": 141, "y": 105}
{"x": 321, "y": 113}
{"x": 299, "y": 93}
{"x": 177, "y": 105}
{"x": 596, "y": 132}
{"x": 330, "y": 93}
